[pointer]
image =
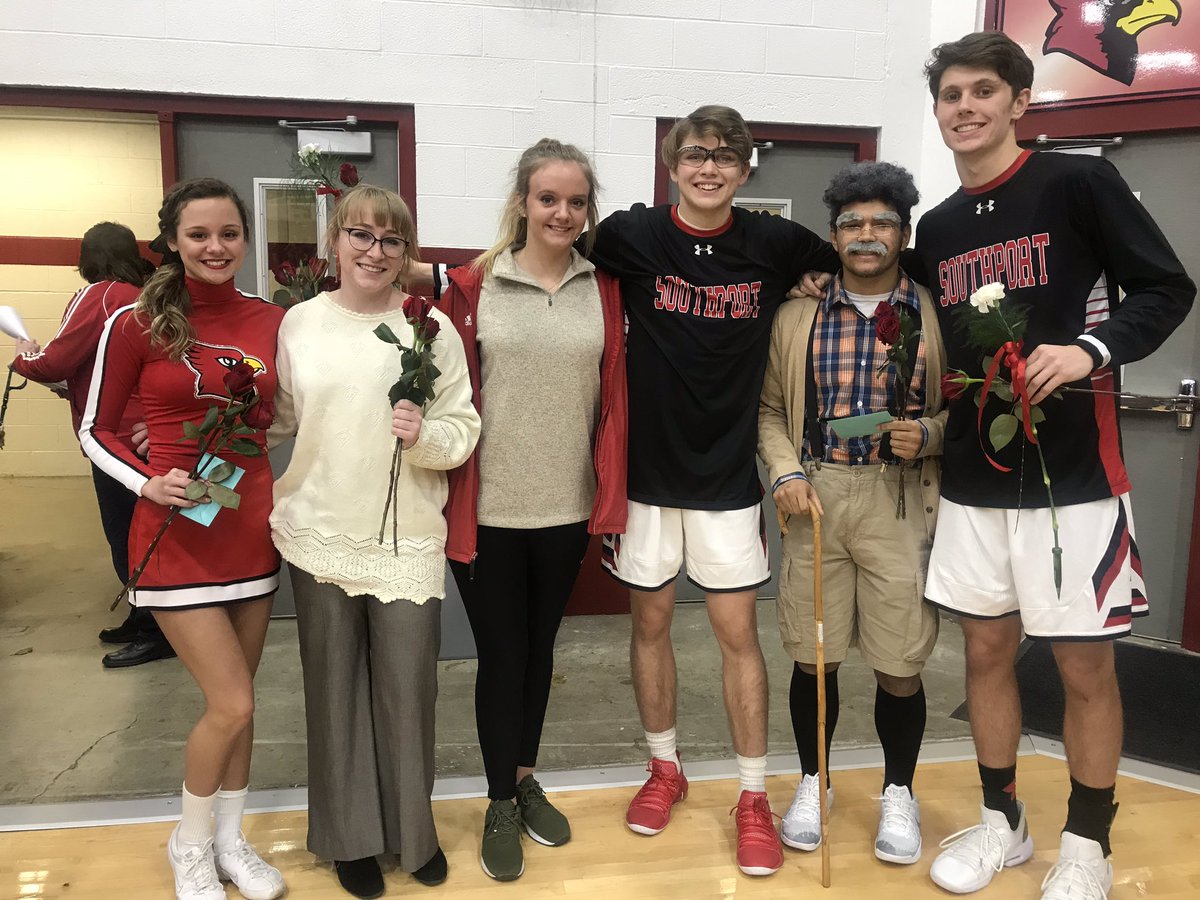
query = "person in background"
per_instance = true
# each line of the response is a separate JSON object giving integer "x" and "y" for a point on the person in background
{"x": 210, "y": 588}
{"x": 544, "y": 335}
{"x": 110, "y": 262}
{"x": 368, "y": 613}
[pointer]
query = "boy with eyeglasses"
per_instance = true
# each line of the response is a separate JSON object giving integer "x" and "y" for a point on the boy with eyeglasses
{"x": 701, "y": 282}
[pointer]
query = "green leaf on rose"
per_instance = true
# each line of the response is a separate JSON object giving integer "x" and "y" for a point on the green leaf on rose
{"x": 1002, "y": 430}
{"x": 1003, "y": 390}
{"x": 1037, "y": 415}
{"x": 210, "y": 420}
{"x": 195, "y": 490}
{"x": 384, "y": 333}
{"x": 190, "y": 431}
{"x": 224, "y": 497}
{"x": 220, "y": 472}
{"x": 245, "y": 447}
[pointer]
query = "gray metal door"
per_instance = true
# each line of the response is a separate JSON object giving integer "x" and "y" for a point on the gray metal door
{"x": 800, "y": 173}
{"x": 1160, "y": 458}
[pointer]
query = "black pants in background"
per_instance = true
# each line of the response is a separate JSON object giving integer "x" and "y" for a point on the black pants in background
{"x": 116, "y": 513}
{"x": 515, "y": 601}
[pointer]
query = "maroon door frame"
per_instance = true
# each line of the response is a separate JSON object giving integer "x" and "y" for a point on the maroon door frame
{"x": 865, "y": 142}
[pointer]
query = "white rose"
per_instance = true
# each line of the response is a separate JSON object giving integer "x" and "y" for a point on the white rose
{"x": 308, "y": 153}
{"x": 988, "y": 297}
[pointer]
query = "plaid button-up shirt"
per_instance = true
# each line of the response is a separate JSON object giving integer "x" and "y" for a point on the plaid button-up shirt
{"x": 846, "y": 357}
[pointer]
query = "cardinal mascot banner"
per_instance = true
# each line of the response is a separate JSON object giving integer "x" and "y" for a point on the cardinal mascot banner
{"x": 1088, "y": 52}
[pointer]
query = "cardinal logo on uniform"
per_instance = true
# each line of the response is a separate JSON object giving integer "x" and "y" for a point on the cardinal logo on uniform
{"x": 980, "y": 207}
{"x": 703, "y": 248}
{"x": 1103, "y": 34}
{"x": 210, "y": 362}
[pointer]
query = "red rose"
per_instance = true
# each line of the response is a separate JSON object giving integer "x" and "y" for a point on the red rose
{"x": 348, "y": 174}
{"x": 887, "y": 323}
{"x": 432, "y": 327}
{"x": 416, "y": 309}
{"x": 240, "y": 379}
{"x": 953, "y": 385}
{"x": 284, "y": 273}
{"x": 260, "y": 416}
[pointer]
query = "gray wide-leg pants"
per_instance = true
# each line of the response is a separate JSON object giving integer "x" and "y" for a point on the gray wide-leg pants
{"x": 370, "y": 686}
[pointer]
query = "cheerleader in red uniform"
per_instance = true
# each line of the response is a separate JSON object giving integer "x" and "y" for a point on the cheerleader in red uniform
{"x": 210, "y": 588}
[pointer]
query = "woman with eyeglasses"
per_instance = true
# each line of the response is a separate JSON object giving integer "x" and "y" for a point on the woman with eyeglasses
{"x": 368, "y": 613}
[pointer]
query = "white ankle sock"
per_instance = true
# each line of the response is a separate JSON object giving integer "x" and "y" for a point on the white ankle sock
{"x": 195, "y": 824}
{"x": 752, "y": 773}
{"x": 227, "y": 810}
{"x": 662, "y": 745}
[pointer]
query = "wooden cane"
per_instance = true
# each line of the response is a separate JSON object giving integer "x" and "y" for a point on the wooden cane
{"x": 822, "y": 762}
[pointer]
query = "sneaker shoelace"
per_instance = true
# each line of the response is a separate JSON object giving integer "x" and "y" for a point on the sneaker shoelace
{"x": 506, "y": 820}
{"x": 807, "y": 802}
{"x": 899, "y": 816}
{"x": 755, "y": 822}
{"x": 1060, "y": 882}
{"x": 660, "y": 788}
{"x": 198, "y": 868}
{"x": 255, "y": 865}
{"x": 532, "y": 797}
{"x": 981, "y": 843}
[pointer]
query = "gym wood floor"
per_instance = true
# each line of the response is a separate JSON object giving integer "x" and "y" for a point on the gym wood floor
{"x": 1156, "y": 838}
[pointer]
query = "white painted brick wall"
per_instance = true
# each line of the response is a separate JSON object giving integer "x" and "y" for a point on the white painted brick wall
{"x": 488, "y": 77}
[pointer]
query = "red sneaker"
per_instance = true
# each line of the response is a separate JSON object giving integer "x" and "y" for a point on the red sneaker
{"x": 758, "y": 849}
{"x": 650, "y": 809}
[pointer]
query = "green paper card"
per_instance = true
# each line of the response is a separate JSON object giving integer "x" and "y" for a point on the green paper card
{"x": 858, "y": 426}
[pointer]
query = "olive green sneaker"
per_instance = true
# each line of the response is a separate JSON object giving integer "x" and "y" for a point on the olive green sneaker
{"x": 543, "y": 822}
{"x": 500, "y": 854}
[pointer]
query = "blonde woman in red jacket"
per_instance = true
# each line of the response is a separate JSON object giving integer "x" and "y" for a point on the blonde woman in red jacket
{"x": 544, "y": 335}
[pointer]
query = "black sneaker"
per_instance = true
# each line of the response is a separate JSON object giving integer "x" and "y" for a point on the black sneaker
{"x": 360, "y": 877}
{"x": 433, "y": 872}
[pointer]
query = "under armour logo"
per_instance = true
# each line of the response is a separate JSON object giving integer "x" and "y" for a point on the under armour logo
{"x": 980, "y": 207}
{"x": 706, "y": 248}
{"x": 467, "y": 321}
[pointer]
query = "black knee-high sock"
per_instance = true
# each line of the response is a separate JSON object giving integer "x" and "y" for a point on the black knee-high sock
{"x": 803, "y": 701}
{"x": 1000, "y": 791}
{"x": 900, "y": 724}
{"x": 1090, "y": 813}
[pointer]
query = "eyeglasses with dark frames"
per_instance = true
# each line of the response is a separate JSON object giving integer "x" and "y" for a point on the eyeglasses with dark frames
{"x": 361, "y": 239}
{"x": 695, "y": 157}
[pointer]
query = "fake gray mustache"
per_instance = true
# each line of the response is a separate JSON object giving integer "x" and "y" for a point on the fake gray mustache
{"x": 875, "y": 247}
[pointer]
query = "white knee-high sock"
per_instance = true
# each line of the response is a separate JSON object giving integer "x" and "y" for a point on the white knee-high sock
{"x": 752, "y": 773}
{"x": 195, "y": 824}
{"x": 227, "y": 810}
{"x": 662, "y": 745}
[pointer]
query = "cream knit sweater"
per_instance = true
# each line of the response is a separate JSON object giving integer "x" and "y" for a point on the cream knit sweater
{"x": 334, "y": 376}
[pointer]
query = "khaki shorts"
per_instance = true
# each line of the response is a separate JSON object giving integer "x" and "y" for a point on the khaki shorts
{"x": 873, "y": 573}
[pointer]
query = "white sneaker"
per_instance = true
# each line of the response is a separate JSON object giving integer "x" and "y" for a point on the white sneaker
{"x": 254, "y": 877}
{"x": 1081, "y": 873}
{"x": 973, "y": 855}
{"x": 802, "y": 825}
{"x": 899, "y": 837}
{"x": 195, "y": 871}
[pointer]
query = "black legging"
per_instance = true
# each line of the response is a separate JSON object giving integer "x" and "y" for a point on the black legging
{"x": 515, "y": 601}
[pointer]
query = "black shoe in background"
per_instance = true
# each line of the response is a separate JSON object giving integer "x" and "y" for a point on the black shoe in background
{"x": 142, "y": 650}
{"x": 125, "y": 633}
{"x": 433, "y": 872}
{"x": 360, "y": 877}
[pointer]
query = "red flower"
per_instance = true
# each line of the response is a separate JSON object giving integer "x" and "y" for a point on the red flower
{"x": 416, "y": 309}
{"x": 284, "y": 273}
{"x": 260, "y": 416}
{"x": 953, "y": 385}
{"x": 317, "y": 265}
{"x": 432, "y": 327}
{"x": 348, "y": 174}
{"x": 887, "y": 323}
{"x": 240, "y": 379}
